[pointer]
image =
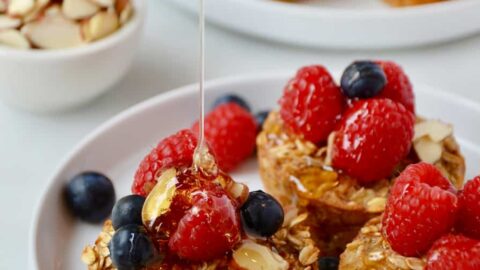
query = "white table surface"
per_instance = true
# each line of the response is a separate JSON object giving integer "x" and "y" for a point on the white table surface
{"x": 31, "y": 146}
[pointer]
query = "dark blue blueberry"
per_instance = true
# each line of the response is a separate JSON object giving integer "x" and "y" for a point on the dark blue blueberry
{"x": 231, "y": 98}
{"x": 260, "y": 119}
{"x": 328, "y": 263}
{"x": 90, "y": 196}
{"x": 131, "y": 248}
{"x": 363, "y": 79}
{"x": 261, "y": 214}
{"x": 128, "y": 210}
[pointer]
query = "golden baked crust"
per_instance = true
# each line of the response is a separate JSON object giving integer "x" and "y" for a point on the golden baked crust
{"x": 403, "y": 3}
{"x": 297, "y": 171}
{"x": 369, "y": 250}
{"x": 293, "y": 242}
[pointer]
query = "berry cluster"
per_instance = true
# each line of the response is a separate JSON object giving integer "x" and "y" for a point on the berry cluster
{"x": 230, "y": 131}
{"x": 203, "y": 221}
{"x": 426, "y": 215}
{"x": 371, "y": 115}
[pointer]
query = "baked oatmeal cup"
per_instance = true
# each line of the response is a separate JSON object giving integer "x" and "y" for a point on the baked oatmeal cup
{"x": 298, "y": 169}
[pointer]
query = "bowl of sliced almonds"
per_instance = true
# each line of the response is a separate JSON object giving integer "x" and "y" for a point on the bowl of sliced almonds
{"x": 58, "y": 54}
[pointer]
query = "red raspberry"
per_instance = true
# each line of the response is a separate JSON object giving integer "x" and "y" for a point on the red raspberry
{"x": 174, "y": 151}
{"x": 372, "y": 138}
{"x": 454, "y": 252}
{"x": 230, "y": 131}
{"x": 398, "y": 85}
{"x": 209, "y": 229}
{"x": 311, "y": 103}
{"x": 469, "y": 215}
{"x": 421, "y": 207}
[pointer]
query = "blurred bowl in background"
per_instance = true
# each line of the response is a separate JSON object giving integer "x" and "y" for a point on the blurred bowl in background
{"x": 54, "y": 80}
{"x": 344, "y": 24}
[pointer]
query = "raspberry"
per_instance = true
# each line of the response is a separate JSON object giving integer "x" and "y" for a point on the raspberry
{"x": 311, "y": 103}
{"x": 373, "y": 136}
{"x": 469, "y": 215}
{"x": 174, "y": 151}
{"x": 454, "y": 252}
{"x": 421, "y": 207}
{"x": 209, "y": 229}
{"x": 398, "y": 87}
{"x": 230, "y": 131}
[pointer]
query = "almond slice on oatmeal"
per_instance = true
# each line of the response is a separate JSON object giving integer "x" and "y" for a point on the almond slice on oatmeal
{"x": 79, "y": 9}
{"x": 20, "y": 7}
{"x": 13, "y": 38}
{"x": 251, "y": 256}
{"x": 7, "y": 22}
{"x": 428, "y": 150}
{"x": 99, "y": 26}
{"x": 53, "y": 31}
{"x": 434, "y": 129}
{"x": 160, "y": 198}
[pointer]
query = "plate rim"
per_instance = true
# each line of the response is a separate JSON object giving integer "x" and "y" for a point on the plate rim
{"x": 361, "y": 13}
{"x": 172, "y": 94}
{"x": 405, "y": 19}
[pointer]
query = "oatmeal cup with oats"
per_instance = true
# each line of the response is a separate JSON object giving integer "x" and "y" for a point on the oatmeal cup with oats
{"x": 186, "y": 212}
{"x": 336, "y": 150}
{"x": 428, "y": 224}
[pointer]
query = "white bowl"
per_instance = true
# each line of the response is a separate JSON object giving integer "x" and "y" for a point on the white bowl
{"x": 52, "y": 80}
{"x": 117, "y": 147}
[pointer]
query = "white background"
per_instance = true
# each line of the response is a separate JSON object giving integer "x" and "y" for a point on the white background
{"x": 31, "y": 146}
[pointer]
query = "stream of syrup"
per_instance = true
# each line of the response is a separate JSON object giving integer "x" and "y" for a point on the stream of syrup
{"x": 202, "y": 159}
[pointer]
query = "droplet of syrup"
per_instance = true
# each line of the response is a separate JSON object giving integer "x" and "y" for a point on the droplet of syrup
{"x": 203, "y": 160}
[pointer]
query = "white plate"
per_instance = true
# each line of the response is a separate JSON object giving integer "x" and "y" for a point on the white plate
{"x": 344, "y": 24}
{"x": 117, "y": 147}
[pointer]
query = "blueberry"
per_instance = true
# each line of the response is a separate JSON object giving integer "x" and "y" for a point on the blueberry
{"x": 327, "y": 263}
{"x": 363, "y": 79}
{"x": 128, "y": 210}
{"x": 131, "y": 248}
{"x": 260, "y": 119}
{"x": 261, "y": 214}
{"x": 90, "y": 196}
{"x": 231, "y": 98}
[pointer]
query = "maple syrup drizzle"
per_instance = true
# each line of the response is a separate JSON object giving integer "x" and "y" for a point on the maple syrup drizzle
{"x": 202, "y": 159}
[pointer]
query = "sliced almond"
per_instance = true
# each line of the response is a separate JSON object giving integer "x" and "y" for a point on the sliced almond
{"x": 428, "y": 150}
{"x": 329, "y": 156}
{"x": 53, "y": 31}
{"x": 101, "y": 25}
{"x": 253, "y": 256}
{"x": 436, "y": 130}
{"x": 53, "y": 10}
{"x": 20, "y": 7}
{"x": 238, "y": 191}
{"x": 79, "y": 9}
{"x": 13, "y": 38}
{"x": 40, "y": 6}
{"x": 160, "y": 198}
{"x": 7, "y": 22}
{"x": 104, "y": 3}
